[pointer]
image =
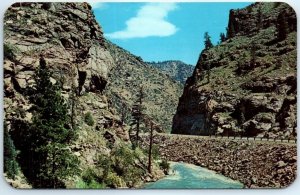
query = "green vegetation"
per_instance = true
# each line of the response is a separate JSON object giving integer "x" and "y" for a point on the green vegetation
{"x": 222, "y": 37}
{"x": 92, "y": 185}
{"x": 177, "y": 70}
{"x": 124, "y": 83}
{"x": 137, "y": 114}
{"x": 233, "y": 61}
{"x": 90, "y": 179}
{"x": 282, "y": 26}
{"x": 10, "y": 51}
{"x": 46, "y": 158}
{"x": 11, "y": 167}
{"x": 253, "y": 49}
{"x": 165, "y": 166}
{"x": 207, "y": 42}
{"x": 119, "y": 169}
{"x": 259, "y": 18}
{"x": 155, "y": 152}
{"x": 88, "y": 119}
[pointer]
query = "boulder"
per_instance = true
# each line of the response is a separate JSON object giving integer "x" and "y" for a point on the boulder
{"x": 281, "y": 164}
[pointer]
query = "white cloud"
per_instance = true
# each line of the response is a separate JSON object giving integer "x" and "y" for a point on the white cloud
{"x": 149, "y": 21}
{"x": 96, "y": 5}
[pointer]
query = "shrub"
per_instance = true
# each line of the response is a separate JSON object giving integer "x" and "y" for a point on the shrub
{"x": 88, "y": 119}
{"x": 10, "y": 51}
{"x": 165, "y": 166}
{"x": 89, "y": 175}
{"x": 91, "y": 178}
{"x": 92, "y": 185}
{"x": 114, "y": 181}
{"x": 120, "y": 169}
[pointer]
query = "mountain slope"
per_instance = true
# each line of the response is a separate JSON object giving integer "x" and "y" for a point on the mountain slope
{"x": 70, "y": 40}
{"x": 177, "y": 70}
{"x": 247, "y": 84}
{"x": 129, "y": 74}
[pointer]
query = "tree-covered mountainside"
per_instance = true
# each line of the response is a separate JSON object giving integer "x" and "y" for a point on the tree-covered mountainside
{"x": 177, "y": 70}
{"x": 161, "y": 92}
{"x": 56, "y": 117}
{"x": 246, "y": 85}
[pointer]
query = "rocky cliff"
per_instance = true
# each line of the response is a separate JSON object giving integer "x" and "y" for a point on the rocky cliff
{"x": 72, "y": 44}
{"x": 161, "y": 92}
{"x": 247, "y": 84}
{"x": 70, "y": 40}
{"x": 177, "y": 70}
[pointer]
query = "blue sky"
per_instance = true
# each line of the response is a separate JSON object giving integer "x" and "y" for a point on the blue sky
{"x": 164, "y": 31}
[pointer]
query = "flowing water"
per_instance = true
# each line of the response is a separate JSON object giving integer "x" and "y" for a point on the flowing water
{"x": 188, "y": 176}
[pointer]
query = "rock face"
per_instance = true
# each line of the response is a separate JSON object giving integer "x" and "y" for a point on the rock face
{"x": 72, "y": 44}
{"x": 69, "y": 38}
{"x": 251, "y": 89}
{"x": 161, "y": 92}
{"x": 71, "y": 41}
{"x": 177, "y": 70}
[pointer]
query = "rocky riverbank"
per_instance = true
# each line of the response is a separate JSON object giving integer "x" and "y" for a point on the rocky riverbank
{"x": 253, "y": 163}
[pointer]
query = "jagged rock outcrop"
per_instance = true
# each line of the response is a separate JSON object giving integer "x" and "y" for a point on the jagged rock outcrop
{"x": 177, "y": 70}
{"x": 72, "y": 44}
{"x": 251, "y": 89}
{"x": 130, "y": 72}
{"x": 68, "y": 37}
{"x": 70, "y": 40}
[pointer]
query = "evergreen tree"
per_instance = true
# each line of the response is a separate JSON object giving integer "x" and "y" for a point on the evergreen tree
{"x": 51, "y": 160}
{"x": 222, "y": 37}
{"x": 207, "y": 42}
{"x": 11, "y": 166}
{"x": 137, "y": 114}
{"x": 259, "y": 18}
{"x": 282, "y": 26}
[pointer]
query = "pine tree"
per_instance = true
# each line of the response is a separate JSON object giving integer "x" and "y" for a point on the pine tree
{"x": 137, "y": 114}
{"x": 282, "y": 26}
{"x": 259, "y": 18}
{"x": 222, "y": 37}
{"x": 49, "y": 135}
{"x": 207, "y": 42}
{"x": 11, "y": 166}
